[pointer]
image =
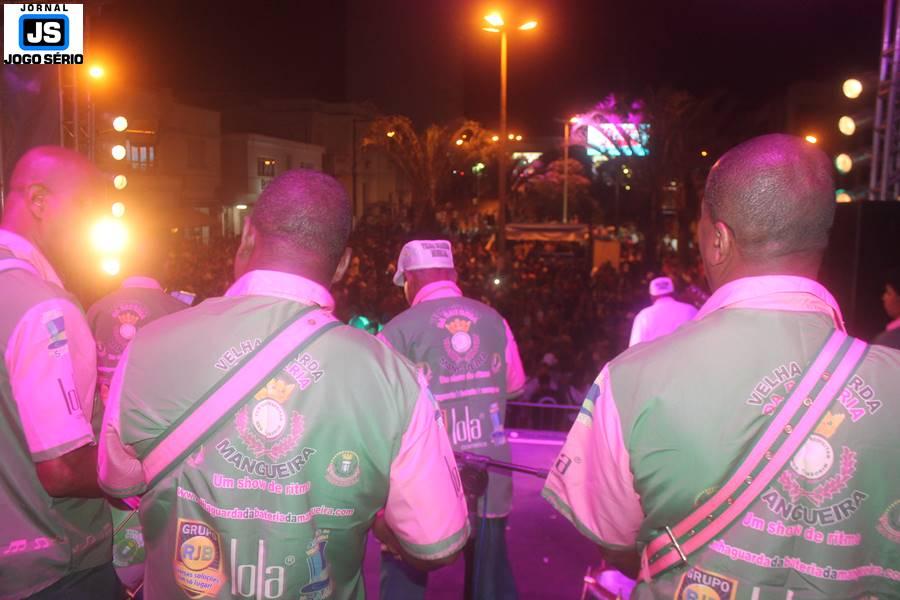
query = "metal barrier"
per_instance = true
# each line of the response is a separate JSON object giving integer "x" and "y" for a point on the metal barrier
{"x": 544, "y": 416}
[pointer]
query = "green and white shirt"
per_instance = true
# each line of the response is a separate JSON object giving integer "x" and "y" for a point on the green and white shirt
{"x": 48, "y": 409}
{"x": 471, "y": 362}
{"x": 667, "y": 422}
{"x": 276, "y": 503}
{"x": 114, "y": 321}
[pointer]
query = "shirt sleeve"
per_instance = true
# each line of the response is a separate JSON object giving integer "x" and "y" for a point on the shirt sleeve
{"x": 591, "y": 483}
{"x": 426, "y": 507}
{"x": 51, "y": 363}
{"x": 515, "y": 372}
{"x": 119, "y": 470}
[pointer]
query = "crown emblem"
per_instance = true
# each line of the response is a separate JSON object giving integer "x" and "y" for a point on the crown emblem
{"x": 458, "y": 325}
{"x": 128, "y": 318}
{"x": 277, "y": 390}
{"x": 829, "y": 424}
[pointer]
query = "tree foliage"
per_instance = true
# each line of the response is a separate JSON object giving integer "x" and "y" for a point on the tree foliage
{"x": 428, "y": 158}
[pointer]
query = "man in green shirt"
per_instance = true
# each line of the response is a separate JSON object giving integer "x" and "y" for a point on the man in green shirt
{"x": 55, "y": 536}
{"x": 669, "y": 457}
{"x": 471, "y": 361}
{"x": 114, "y": 320}
{"x": 274, "y": 498}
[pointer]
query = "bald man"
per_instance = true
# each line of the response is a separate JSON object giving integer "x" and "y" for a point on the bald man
{"x": 265, "y": 436}
{"x": 55, "y": 534}
{"x": 752, "y": 453}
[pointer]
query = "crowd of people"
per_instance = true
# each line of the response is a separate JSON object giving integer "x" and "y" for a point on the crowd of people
{"x": 569, "y": 316}
{"x": 246, "y": 428}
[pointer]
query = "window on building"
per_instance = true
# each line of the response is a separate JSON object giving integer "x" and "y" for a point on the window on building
{"x": 141, "y": 156}
{"x": 265, "y": 167}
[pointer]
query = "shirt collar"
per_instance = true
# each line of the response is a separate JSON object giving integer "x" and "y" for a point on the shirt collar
{"x": 437, "y": 290}
{"x": 774, "y": 292}
{"x": 895, "y": 324}
{"x": 139, "y": 281}
{"x": 25, "y": 250}
{"x": 279, "y": 284}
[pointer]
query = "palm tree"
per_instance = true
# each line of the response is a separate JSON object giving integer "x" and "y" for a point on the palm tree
{"x": 680, "y": 127}
{"x": 427, "y": 159}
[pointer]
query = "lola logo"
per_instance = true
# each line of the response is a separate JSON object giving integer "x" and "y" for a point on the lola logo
{"x": 50, "y": 34}
{"x": 465, "y": 428}
{"x": 256, "y": 579}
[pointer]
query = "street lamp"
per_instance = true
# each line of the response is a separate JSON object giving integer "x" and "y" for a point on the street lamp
{"x": 566, "y": 129}
{"x": 494, "y": 23}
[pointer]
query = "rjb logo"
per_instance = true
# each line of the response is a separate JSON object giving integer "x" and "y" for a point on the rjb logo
{"x": 43, "y": 34}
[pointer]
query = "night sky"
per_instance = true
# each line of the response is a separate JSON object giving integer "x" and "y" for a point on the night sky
{"x": 583, "y": 49}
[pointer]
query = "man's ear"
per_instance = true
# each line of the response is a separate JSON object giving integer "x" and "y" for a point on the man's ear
{"x": 248, "y": 238}
{"x": 723, "y": 243}
{"x": 342, "y": 265}
{"x": 35, "y": 198}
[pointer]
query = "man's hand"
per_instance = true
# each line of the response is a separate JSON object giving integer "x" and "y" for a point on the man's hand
{"x": 72, "y": 475}
{"x": 385, "y": 535}
{"x": 626, "y": 561}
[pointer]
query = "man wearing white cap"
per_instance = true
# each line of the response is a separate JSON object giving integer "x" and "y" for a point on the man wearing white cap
{"x": 664, "y": 316}
{"x": 470, "y": 358}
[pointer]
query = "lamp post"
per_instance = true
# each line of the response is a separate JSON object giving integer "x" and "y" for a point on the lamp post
{"x": 494, "y": 23}
{"x": 566, "y": 134}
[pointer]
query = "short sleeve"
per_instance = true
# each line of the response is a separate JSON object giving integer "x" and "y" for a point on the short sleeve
{"x": 591, "y": 482}
{"x": 120, "y": 472}
{"x": 51, "y": 362}
{"x": 515, "y": 371}
{"x": 426, "y": 507}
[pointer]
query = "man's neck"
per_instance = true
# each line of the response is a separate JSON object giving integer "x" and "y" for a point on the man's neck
{"x": 793, "y": 265}
{"x": 290, "y": 267}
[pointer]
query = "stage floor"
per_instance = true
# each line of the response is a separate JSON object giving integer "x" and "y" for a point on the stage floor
{"x": 549, "y": 557}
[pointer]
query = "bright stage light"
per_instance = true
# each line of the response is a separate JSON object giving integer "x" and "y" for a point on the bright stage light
{"x": 843, "y": 162}
{"x": 109, "y": 236}
{"x": 240, "y": 206}
{"x": 120, "y": 182}
{"x": 118, "y": 210}
{"x": 852, "y": 88}
{"x": 111, "y": 266}
{"x": 842, "y": 197}
{"x": 96, "y": 72}
{"x": 847, "y": 125}
{"x": 119, "y": 152}
{"x": 120, "y": 123}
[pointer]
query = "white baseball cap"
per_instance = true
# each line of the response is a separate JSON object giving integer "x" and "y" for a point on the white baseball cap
{"x": 661, "y": 286}
{"x": 423, "y": 254}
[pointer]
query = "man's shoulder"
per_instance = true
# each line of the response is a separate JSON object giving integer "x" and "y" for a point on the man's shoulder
{"x": 363, "y": 348}
{"x": 25, "y": 291}
{"x": 890, "y": 339}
